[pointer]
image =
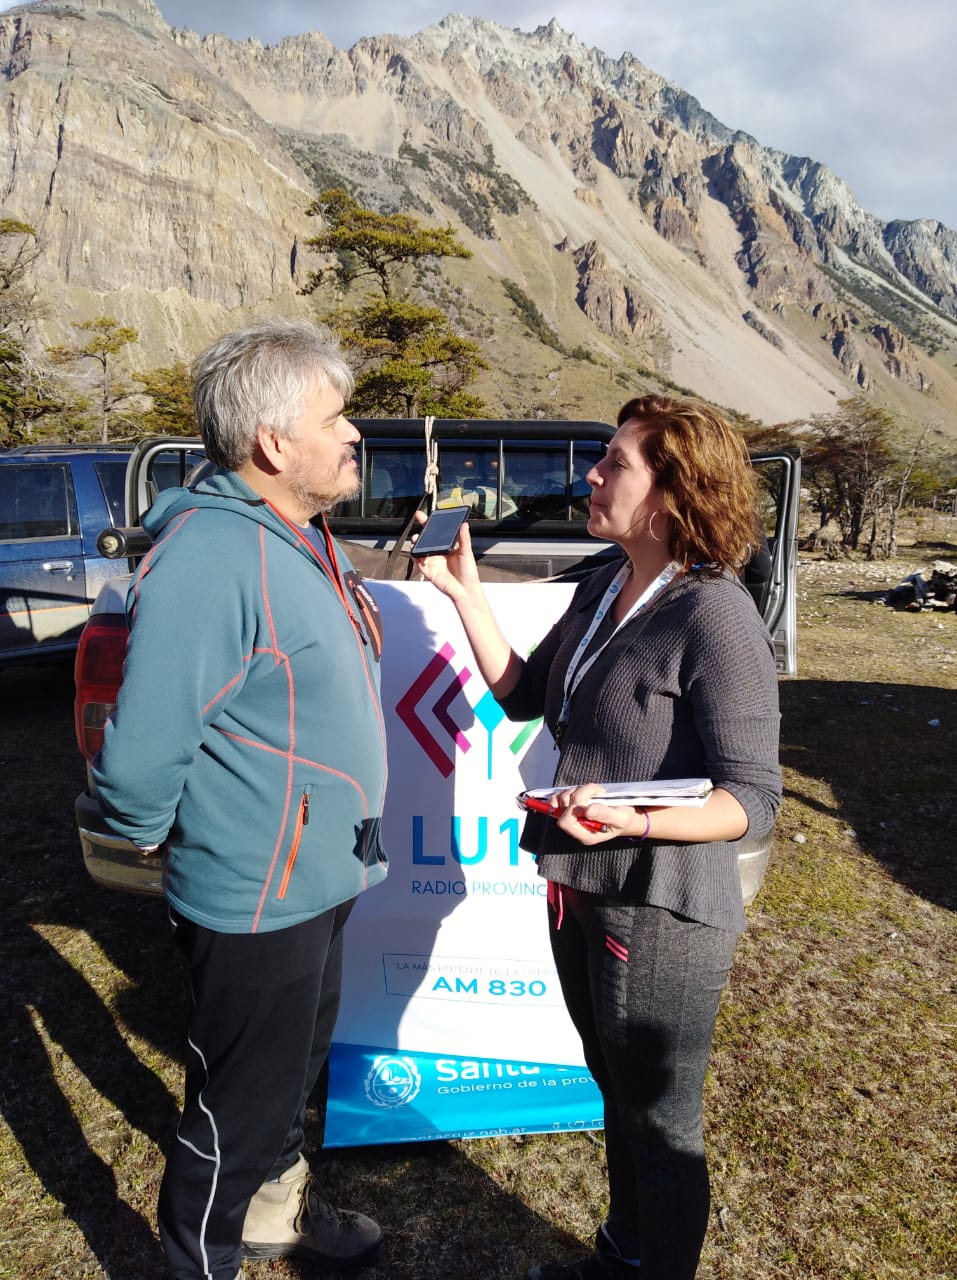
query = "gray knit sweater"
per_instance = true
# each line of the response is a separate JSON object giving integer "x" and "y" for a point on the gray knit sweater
{"x": 687, "y": 688}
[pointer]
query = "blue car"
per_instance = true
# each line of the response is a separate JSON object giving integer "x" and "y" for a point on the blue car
{"x": 54, "y": 500}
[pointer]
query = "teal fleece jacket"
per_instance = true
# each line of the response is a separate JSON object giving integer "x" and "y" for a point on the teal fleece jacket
{"x": 248, "y": 735}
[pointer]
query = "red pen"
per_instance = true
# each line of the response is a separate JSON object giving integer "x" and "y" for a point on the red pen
{"x": 537, "y": 805}
{"x": 542, "y": 806}
{"x": 591, "y": 825}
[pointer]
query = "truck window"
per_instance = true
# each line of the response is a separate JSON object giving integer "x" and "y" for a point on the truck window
{"x": 547, "y": 481}
{"x": 523, "y": 480}
{"x": 37, "y": 502}
{"x": 771, "y": 478}
{"x": 392, "y": 483}
{"x": 470, "y": 475}
{"x": 170, "y": 468}
{"x": 584, "y": 456}
{"x": 393, "y": 480}
{"x": 112, "y": 478}
{"x": 536, "y": 480}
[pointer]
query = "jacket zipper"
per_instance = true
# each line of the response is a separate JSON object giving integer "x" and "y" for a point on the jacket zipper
{"x": 302, "y": 820}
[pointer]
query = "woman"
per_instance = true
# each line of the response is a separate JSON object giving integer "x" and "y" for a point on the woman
{"x": 660, "y": 668}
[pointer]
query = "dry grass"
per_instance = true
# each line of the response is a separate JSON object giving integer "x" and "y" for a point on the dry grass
{"x": 831, "y": 1100}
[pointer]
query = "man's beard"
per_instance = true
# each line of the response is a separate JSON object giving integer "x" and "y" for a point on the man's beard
{"x": 315, "y": 501}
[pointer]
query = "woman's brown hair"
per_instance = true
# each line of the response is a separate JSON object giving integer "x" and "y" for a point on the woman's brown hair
{"x": 703, "y": 469}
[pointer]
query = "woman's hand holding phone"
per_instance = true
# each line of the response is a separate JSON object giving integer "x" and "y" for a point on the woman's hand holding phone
{"x": 454, "y": 572}
{"x": 456, "y": 575}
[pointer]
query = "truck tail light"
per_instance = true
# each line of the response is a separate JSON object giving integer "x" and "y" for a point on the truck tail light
{"x": 98, "y": 673}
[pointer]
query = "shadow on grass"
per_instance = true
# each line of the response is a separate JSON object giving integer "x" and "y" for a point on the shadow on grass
{"x": 887, "y": 753}
{"x": 64, "y": 1041}
{"x": 937, "y": 548}
{"x": 76, "y": 1087}
{"x": 442, "y": 1216}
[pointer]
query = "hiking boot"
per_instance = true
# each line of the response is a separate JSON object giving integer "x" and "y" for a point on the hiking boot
{"x": 290, "y": 1219}
{"x": 606, "y": 1263}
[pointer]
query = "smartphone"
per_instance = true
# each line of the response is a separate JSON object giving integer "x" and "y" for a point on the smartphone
{"x": 440, "y": 533}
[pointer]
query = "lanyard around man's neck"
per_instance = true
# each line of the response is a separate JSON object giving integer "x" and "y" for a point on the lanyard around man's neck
{"x": 329, "y": 565}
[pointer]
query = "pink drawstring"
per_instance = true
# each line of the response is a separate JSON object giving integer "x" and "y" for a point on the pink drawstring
{"x": 617, "y": 949}
{"x": 556, "y": 901}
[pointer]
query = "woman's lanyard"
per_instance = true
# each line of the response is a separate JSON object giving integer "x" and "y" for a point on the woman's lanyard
{"x": 579, "y": 667}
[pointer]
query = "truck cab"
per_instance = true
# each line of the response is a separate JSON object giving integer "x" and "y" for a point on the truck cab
{"x": 524, "y": 482}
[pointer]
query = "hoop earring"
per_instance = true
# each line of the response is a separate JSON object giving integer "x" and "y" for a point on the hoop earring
{"x": 651, "y": 525}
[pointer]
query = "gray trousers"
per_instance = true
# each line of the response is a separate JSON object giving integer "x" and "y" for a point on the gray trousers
{"x": 642, "y": 986}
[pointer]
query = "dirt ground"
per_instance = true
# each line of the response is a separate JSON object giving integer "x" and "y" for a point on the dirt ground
{"x": 831, "y": 1103}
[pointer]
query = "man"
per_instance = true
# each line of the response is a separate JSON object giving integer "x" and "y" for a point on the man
{"x": 248, "y": 741}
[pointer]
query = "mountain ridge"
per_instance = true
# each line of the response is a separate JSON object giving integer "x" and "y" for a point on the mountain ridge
{"x": 647, "y": 232}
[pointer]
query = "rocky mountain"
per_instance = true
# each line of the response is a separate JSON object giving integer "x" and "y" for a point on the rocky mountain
{"x": 168, "y": 175}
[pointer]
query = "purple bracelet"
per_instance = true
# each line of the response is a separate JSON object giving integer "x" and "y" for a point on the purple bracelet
{"x": 644, "y": 834}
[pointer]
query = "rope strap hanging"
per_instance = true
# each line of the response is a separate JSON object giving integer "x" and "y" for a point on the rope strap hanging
{"x": 430, "y": 481}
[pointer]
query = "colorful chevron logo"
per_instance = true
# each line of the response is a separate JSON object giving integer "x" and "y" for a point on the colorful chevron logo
{"x": 435, "y": 689}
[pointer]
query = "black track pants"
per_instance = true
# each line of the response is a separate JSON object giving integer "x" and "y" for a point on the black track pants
{"x": 264, "y": 1008}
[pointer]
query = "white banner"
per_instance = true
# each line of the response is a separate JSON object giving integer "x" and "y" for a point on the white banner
{"x": 449, "y": 989}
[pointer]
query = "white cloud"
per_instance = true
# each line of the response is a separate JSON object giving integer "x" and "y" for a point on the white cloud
{"x": 866, "y": 86}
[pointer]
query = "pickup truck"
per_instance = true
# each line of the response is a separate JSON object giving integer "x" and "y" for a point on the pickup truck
{"x": 525, "y": 483}
{"x": 449, "y": 990}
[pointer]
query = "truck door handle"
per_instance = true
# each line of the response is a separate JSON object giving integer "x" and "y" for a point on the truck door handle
{"x": 58, "y": 566}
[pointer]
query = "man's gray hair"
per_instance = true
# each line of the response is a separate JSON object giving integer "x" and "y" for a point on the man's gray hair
{"x": 258, "y": 376}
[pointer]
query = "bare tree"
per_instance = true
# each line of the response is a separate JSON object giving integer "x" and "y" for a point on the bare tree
{"x": 898, "y": 503}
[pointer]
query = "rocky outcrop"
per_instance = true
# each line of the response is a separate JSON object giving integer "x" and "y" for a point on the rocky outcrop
{"x": 672, "y": 185}
{"x": 777, "y": 249}
{"x": 611, "y": 303}
{"x": 925, "y": 253}
{"x": 900, "y": 358}
{"x": 761, "y": 326}
{"x": 840, "y": 336}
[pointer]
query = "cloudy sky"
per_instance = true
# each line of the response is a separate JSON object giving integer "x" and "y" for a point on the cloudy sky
{"x": 864, "y": 86}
